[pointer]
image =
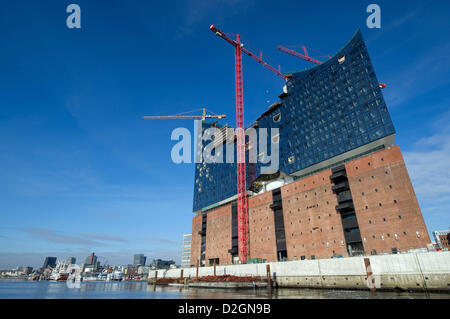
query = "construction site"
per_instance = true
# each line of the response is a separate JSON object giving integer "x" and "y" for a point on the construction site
{"x": 341, "y": 188}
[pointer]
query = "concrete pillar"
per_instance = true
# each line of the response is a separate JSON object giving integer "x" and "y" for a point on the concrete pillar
{"x": 269, "y": 280}
{"x": 196, "y": 272}
{"x": 369, "y": 274}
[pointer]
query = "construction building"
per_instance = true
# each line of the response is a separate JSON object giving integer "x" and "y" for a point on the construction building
{"x": 342, "y": 187}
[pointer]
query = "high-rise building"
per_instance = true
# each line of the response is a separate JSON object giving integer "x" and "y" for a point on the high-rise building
{"x": 186, "y": 252}
{"x": 49, "y": 262}
{"x": 139, "y": 260}
{"x": 71, "y": 260}
{"x": 342, "y": 187}
{"x": 91, "y": 259}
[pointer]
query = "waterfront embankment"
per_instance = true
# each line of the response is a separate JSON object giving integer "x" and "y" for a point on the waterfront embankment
{"x": 425, "y": 271}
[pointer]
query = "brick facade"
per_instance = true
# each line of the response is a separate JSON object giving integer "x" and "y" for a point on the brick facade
{"x": 196, "y": 239}
{"x": 218, "y": 235}
{"x": 386, "y": 208}
{"x": 312, "y": 224}
{"x": 261, "y": 227}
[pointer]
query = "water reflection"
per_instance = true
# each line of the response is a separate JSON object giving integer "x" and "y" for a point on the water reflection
{"x": 125, "y": 290}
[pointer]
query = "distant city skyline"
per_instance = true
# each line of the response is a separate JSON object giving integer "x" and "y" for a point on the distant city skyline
{"x": 82, "y": 172}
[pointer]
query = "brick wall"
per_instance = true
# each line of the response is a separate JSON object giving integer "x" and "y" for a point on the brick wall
{"x": 261, "y": 227}
{"x": 196, "y": 239}
{"x": 312, "y": 224}
{"x": 385, "y": 206}
{"x": 385, "y": 203}
{"x": 218, "y": 235}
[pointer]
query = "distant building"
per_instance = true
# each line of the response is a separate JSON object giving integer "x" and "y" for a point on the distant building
{"x": 186, "y": 253}
{"x": 26, "y": 270}
{"x": 91, "y": 259}
{"x": 143, "y": 270}
{"x": 50, "y": 262}
{"x": 71, "y": 260}
{"x": 89, "y": 268}
{"x": 442, "y": 238}
{"x": 162, "y": 264}
{"x": 139, "y": 260}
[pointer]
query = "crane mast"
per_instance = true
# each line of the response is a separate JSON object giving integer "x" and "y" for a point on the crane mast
{"x": 241, "y": 168}
{"x": 244, "y": 250}
{"x": 243, "y": 247}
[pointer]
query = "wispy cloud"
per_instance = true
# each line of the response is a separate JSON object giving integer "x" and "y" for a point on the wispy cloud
{"x": 425, "y": 74}
{"x": 86, "y": 239}
{"x": 163, "y": 240}
{"x": 395, "y": 23}
{"x": 198, "y": 11}
{"x": 429, "y": 168}
{"x": 429, "y": 165}
{"x": 55, "y": 237}
{"x": 105, "y": 237}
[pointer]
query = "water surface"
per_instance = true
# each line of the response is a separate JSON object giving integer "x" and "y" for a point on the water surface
{"x": 10, "y": 289}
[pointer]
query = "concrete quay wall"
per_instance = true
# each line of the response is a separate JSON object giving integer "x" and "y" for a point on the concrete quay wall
{"x": 412, "y": 271}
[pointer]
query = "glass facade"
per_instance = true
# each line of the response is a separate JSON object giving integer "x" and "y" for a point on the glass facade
{"x": 328, "y": 110}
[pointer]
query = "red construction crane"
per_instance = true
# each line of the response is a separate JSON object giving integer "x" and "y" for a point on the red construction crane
{"x": 180, "y": 116}
{"x": 250, "y": 54}
{"x": 244, "y": 250}
{"x": 306, "y": 57}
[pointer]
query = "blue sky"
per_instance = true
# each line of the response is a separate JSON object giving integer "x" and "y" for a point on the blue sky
{"x": 81, "y": 172}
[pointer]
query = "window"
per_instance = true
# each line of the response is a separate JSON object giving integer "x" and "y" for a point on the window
{"x": 277, "y": 117}
{"x": 276, "y": 139}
